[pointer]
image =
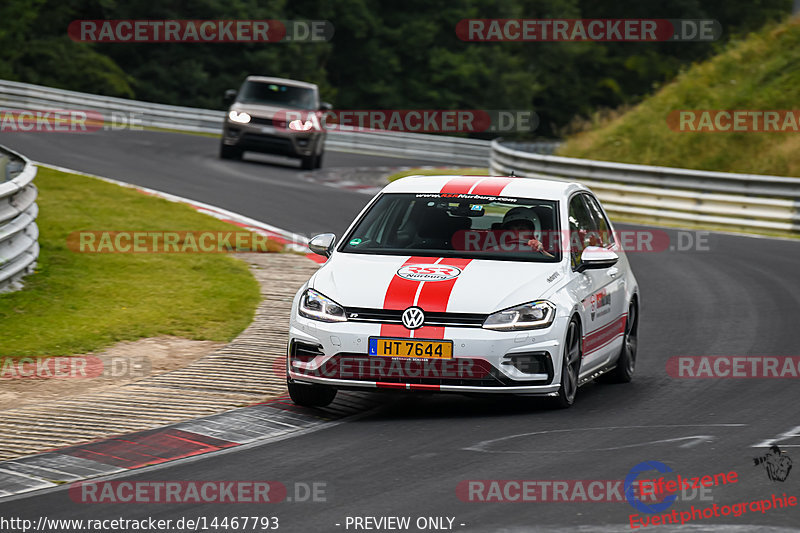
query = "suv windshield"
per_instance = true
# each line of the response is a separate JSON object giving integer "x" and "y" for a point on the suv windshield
{"x": 471, "y": 226}
{"x": 276, "y": 94}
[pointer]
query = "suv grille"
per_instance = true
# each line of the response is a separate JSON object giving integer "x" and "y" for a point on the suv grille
{"x": 268, "y": 122}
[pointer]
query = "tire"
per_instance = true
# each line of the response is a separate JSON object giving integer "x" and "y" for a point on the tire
{"x": 311, "y": 395}
{"x": 626, "y": 363}
{"x": 307, "y": 162}
{"x": 229, "y": 152}
{"x": 318, "y": 164}
{"x": 570, "y": 366}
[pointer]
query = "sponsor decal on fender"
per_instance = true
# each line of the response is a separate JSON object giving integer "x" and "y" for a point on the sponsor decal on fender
{"x": 601, "y": 303}
{"x": 428, "y": 272}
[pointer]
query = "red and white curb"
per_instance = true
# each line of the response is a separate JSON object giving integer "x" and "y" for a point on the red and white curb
{"x": 265, "y": 422}
{"x": 292, "y": 242}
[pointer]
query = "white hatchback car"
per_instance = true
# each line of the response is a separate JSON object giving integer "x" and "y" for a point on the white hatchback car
{"x": 467, "y": 284}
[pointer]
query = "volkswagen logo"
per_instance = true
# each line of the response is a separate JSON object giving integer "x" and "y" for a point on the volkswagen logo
{"x": 413, "y": 317}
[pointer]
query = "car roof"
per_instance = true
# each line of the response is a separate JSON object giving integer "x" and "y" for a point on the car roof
{"x": 283, "y": 81}
{"x": 512, "y": 187}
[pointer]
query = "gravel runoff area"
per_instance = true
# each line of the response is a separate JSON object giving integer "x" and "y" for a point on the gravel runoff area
{"x": 247, "y": 370}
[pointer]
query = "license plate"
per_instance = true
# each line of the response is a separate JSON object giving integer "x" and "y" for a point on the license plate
{"x": 267, "y": 129}
{"x": 383, "y": 347}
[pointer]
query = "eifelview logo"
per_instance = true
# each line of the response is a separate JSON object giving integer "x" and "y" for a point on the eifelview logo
{"x": 777, "y": 464}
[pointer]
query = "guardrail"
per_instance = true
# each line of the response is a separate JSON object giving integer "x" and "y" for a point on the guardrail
{"x": 19, "y": 245}
{"x": 743, "y": 202}
{"x": 457, "y": 150}
{"x": 736, "y": 201}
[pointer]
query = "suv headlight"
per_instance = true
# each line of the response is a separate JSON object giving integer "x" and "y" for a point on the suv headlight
{"x": 241, "y": 118}
{"x": 533, "y": 315}
{"x": 316, "y": 306}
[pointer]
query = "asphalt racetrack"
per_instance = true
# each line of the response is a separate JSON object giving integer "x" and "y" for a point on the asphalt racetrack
{"x": 736, "y": 296}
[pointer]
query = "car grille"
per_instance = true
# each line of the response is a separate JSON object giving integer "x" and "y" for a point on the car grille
{"x": 267, "y": 122}
{"x": 265, "y": 141}
{"x": 390, "y": 316}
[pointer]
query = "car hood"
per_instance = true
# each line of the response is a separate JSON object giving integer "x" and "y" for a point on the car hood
{"x": 478, "y": 286}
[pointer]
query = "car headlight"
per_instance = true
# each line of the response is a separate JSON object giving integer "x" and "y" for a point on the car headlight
{"x": 316, "y": 306}
{"x": 533, "y": 315}
{"x": 241, "y": 118}
{"x": 299, "y": 125}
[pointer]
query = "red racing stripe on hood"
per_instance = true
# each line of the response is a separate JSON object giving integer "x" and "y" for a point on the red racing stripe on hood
{"x": 401, "y": 291}
{"x": 400, "y": 295}
{"x": 435, "y": 295}
{"x": 432, "y": 296}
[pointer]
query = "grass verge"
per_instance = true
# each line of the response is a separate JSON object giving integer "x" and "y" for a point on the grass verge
{"x": 77, "y": 302}
{"x": 757, "y": 73}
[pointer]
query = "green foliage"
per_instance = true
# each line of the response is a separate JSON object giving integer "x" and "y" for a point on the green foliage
{"x": 383, "y": 54}
{"x": 761, "y": 72}
{"x": 78, "y": 302}
{"x": 35, "y": 48}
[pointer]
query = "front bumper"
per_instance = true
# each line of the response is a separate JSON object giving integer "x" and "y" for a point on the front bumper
{"x": 484, "y": 361}
{"x": 272, "y": 140}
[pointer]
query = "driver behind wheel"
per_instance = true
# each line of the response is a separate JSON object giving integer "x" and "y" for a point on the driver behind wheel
{"x": 525, "y": 223}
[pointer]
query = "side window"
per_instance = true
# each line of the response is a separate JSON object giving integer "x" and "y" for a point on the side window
{"x": 606, "y": 236}
{"x": 582, "y": 228}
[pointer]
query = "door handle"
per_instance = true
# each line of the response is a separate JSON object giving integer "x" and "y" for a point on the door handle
{"x": 613, "y": 272}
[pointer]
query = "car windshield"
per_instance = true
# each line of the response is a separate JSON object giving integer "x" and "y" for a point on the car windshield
{"x": 276, "y": 94}
{"x": 470, "y": 226}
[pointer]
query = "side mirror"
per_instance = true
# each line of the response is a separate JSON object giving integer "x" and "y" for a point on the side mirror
{"x": 230, "y": 95}
{"x": 322, "y": 244}
{"x": 325, "y": 106}
{"x": 596, "y": 257}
